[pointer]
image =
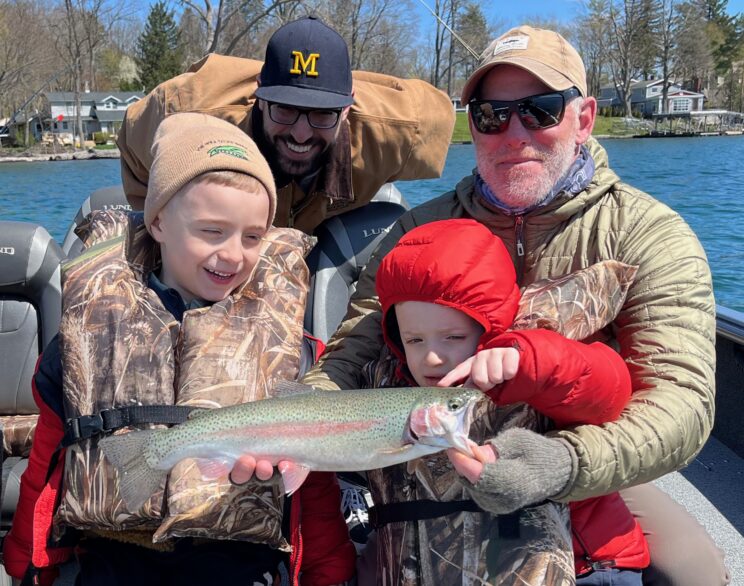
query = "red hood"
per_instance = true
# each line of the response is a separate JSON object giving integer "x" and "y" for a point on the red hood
{"x": 457, "y": 263}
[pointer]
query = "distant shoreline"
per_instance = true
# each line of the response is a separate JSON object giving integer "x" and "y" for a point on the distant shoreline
{"x": 76, "y": 156}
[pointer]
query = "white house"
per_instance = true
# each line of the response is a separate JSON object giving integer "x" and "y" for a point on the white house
{"x": 646, "y": 98}
{"x": 100, "y": 111}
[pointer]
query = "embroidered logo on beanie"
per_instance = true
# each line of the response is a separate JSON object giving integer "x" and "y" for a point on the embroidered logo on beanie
{"x": 230, "y": 150}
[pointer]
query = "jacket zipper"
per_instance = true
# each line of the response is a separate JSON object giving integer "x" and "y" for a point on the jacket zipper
{"x": 293, "y": 211}
{"x": 519, "y": 237}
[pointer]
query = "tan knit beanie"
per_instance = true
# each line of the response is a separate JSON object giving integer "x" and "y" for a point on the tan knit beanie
{"x": 189, "y": 144}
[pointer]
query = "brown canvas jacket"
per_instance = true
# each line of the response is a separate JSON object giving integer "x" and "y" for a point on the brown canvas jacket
{"x": 665, "y": 330}
{"x": 397, "y": 129}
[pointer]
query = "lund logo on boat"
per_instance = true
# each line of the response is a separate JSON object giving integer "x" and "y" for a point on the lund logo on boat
{"x": 374, "y": 232}
{"x": 7, "y": 250}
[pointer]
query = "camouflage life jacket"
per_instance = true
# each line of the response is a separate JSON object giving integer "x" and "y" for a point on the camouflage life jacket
{"x": 466, "y": 545}
{"x": 121, "y": 347}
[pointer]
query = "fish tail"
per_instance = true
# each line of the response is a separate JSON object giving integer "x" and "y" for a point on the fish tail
{"x": 137, "y": 480}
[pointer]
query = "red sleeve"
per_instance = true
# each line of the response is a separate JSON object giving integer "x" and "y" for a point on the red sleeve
{"x": 328, "y": 555}
{"x": 569, "y": 381}
{"x": 17, "y": 547}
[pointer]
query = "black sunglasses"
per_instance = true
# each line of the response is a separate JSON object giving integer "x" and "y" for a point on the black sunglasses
{"x": 288, "y": 115}
{"x": 535, "y": 112}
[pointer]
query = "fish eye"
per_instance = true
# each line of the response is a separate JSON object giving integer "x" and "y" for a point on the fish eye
{"x": 454, "y": 404}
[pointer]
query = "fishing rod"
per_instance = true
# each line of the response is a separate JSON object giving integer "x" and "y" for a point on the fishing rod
{"x": 48, "y": 82}
{"x": 453, "y": 33}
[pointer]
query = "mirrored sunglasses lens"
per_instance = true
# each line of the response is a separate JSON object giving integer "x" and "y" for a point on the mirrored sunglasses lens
{"x": 489, "y": 119}
{"x": 541, "y": 111}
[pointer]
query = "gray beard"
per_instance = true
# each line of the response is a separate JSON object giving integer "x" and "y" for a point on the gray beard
{"x": 523, "y": 189}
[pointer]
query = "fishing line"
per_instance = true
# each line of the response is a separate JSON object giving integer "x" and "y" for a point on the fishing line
{"x": 453, "y": 33}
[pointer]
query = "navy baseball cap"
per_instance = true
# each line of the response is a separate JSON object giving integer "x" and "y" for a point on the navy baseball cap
{"x": 307, "y": 65}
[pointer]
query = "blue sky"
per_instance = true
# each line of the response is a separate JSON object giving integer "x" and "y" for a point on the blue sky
{"x": 513, "y": 12}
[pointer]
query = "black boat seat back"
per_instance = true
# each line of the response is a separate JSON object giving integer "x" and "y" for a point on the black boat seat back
{"x": 345, "y": 243}
{"x": 106, "y": 198}
{"x": 30, "y": 311}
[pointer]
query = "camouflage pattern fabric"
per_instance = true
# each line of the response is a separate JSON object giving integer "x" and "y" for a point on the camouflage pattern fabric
{"x": 18, "y": 434}
{"x": 120, "y": 346}
{"x": 466, "y": 548}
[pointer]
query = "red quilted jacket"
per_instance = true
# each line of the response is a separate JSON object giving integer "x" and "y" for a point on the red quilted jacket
{"x": 459, "y": 263}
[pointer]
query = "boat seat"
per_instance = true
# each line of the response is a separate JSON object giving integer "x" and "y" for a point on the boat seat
{"x": 105, "y": 198}
{"x": 30, "y": 311}
{"x": 345, "y": 243}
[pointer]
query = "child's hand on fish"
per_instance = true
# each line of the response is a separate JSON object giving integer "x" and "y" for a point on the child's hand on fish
{"x": 247, "y": 465}
{"x": 472, "y": 468}
{"x": 485, "y": 370}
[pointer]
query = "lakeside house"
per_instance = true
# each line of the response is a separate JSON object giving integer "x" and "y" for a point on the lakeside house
{"x": 646, "y": 98}
{"x": 100, "y": 112}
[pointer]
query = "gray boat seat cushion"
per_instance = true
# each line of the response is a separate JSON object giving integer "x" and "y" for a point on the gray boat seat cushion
{"x": 345, "y": 243}
{"x": 30, "y": 307}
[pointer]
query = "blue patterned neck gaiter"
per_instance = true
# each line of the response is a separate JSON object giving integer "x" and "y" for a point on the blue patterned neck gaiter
{"x": 574, "y": 181}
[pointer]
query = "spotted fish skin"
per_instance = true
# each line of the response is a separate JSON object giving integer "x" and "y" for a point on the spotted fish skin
{"x": 361, "y": 429}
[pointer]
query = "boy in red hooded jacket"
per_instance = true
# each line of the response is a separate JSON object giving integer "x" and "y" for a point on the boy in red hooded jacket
{"x": 448, "y": 294}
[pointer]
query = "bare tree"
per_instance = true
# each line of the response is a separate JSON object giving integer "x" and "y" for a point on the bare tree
{"x": 372, "y": 29}
{"x": 626, "y": 38}
{"x": 667, "y": 41}
{"x": 80, "y": 27}
{"x": 26, "y": 61}
{"x": 692, "y": 51}
{"x": 591, "y": 34}
{"x": 227, "y": 22}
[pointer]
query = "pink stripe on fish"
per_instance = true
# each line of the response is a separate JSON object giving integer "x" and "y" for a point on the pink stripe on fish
{"x": 304, "y": 429}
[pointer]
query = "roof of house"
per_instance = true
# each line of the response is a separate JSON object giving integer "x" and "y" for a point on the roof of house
{"x": 93, "y": 96}
{"x": 110, "y": 115}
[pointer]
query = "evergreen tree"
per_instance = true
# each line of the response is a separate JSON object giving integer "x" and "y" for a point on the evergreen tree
{"x": 158, "y": 48}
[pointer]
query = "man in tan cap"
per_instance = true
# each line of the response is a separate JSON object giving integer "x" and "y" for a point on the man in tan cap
{"x": 544, "y": 185}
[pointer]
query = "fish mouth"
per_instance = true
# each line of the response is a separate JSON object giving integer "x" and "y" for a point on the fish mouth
{"x": 436, "y": 427}
{"x": 459, "y": 438}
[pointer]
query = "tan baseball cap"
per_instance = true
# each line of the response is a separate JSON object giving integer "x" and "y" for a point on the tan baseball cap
{"x": 543, "y": 53}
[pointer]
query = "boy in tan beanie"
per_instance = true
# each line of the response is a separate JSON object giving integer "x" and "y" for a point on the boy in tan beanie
{"x": 210, "y": 201}
{"x": 157, "y": 323}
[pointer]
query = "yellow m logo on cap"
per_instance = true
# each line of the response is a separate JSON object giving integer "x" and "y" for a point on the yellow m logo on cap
{"x": 304, "y": 65}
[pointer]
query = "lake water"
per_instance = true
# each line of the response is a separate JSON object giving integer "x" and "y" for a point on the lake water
{"x": 701, "y": 178}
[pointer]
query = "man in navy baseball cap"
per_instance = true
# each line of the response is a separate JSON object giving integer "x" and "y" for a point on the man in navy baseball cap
{"x": 304, "y": 94}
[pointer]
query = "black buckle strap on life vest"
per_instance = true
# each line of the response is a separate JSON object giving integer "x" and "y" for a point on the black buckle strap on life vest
{"x": 108, "y": 420}
{"x": 380, "y": 515}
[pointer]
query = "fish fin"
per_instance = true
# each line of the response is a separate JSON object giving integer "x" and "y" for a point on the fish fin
{"x": 293, "y": 477}
{"x": 213, "y": 468}
{"x": 137, "y": 480}
{"x": 289, "y": 388}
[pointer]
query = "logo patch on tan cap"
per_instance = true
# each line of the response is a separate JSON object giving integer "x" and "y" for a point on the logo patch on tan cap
{"x": 230, "y": 150}
{"x": 304, "y": 65}
{"x": 517, "y": 43}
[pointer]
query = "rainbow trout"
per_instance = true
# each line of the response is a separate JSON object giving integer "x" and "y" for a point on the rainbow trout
{"x": 325, "y": 431}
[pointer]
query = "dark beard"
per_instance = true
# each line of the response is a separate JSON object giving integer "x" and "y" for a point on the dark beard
{"x": 284, "y": 171}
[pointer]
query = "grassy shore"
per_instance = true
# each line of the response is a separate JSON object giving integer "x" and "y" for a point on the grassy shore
{"x": 603, "y": 126}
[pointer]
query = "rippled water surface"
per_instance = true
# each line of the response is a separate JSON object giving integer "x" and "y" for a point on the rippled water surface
{"x": 701, "y": 178}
